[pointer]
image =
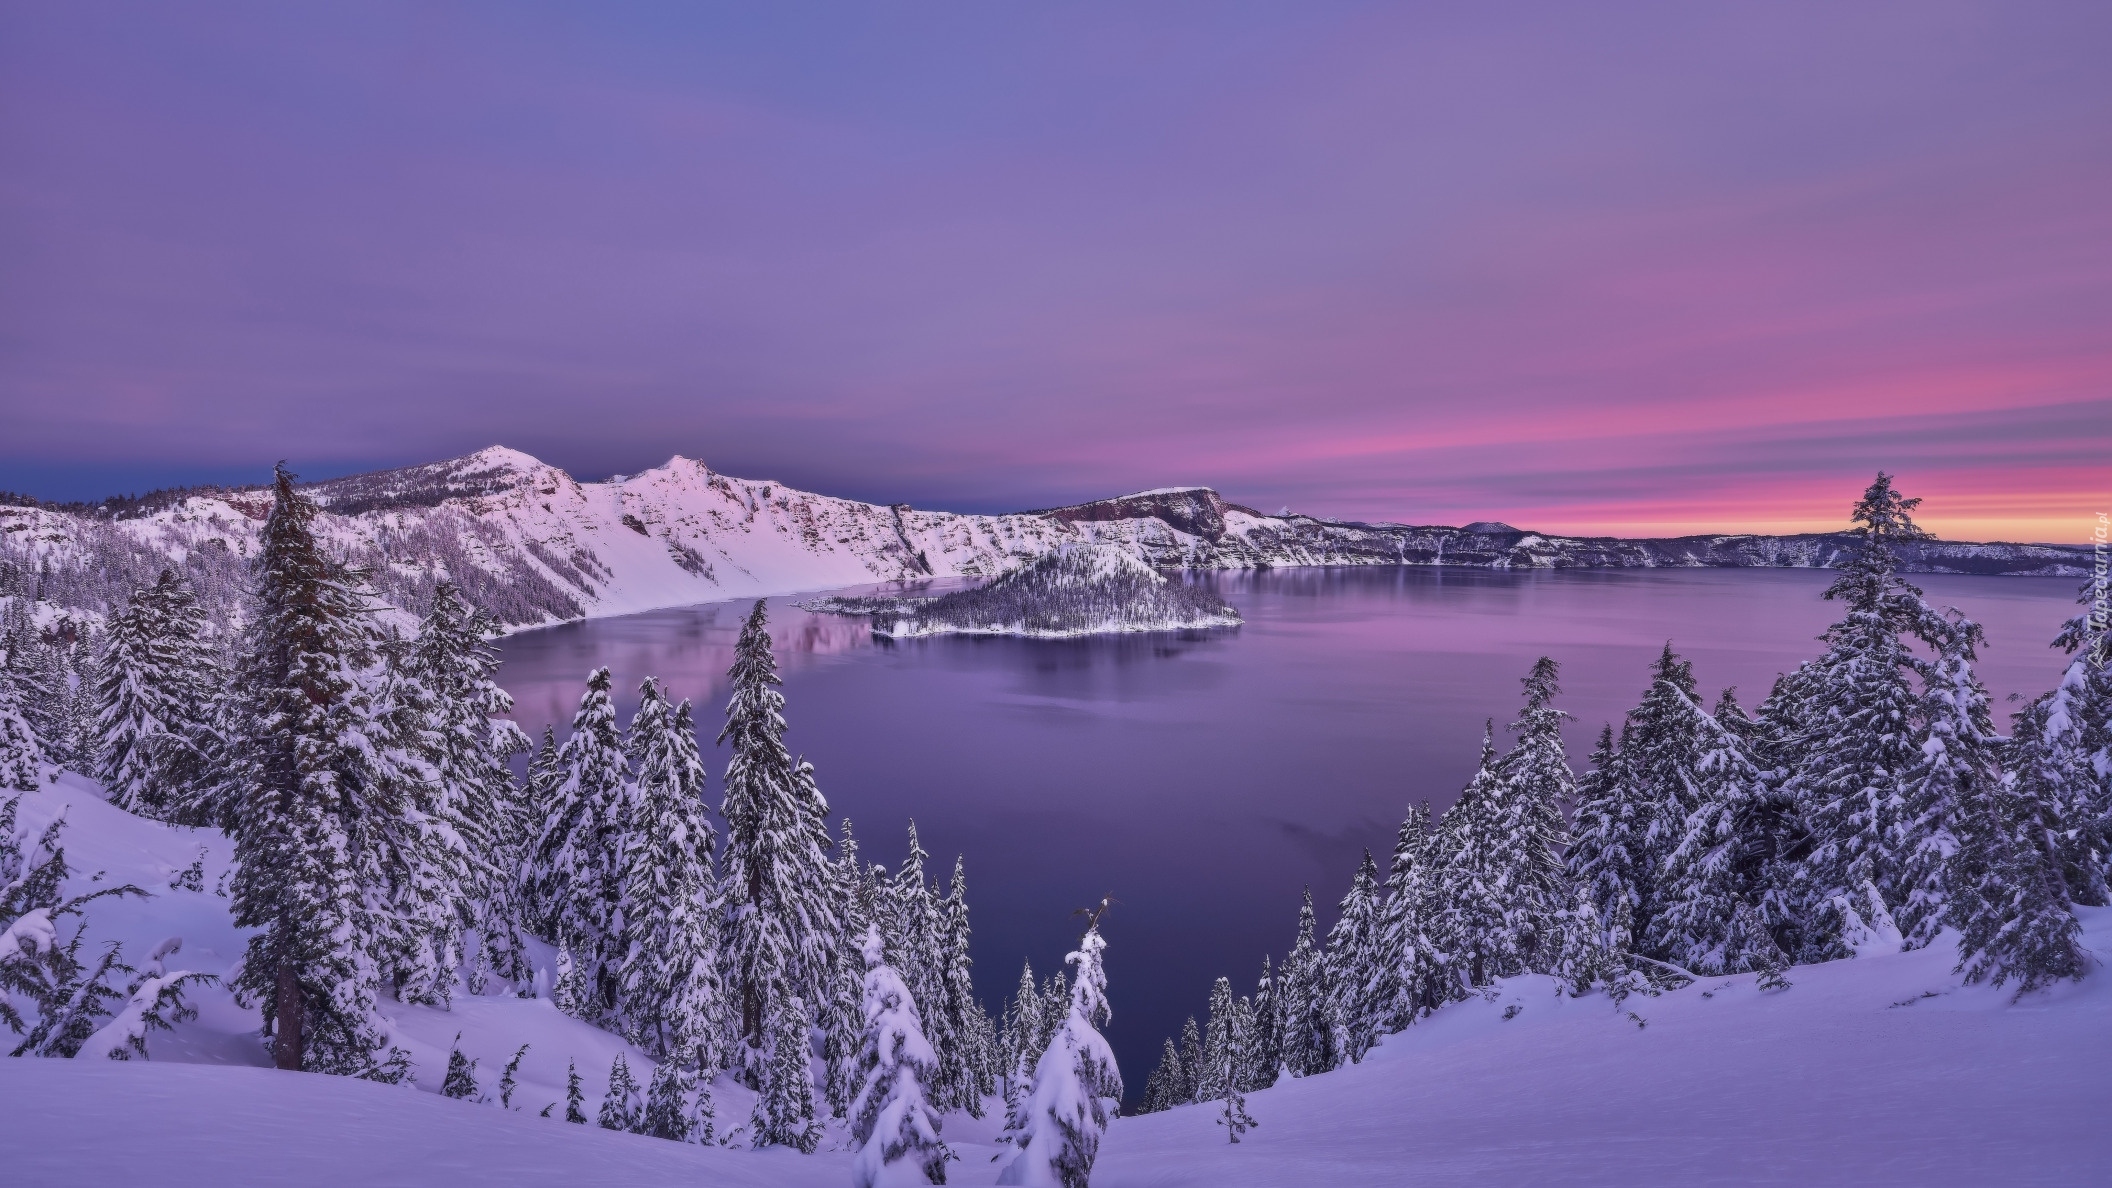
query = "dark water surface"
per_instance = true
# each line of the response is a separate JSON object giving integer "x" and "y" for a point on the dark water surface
{"x": 1204, "y": 778}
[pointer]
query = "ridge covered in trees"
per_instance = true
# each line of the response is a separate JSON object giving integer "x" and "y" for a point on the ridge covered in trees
{"x": 1868, "y": 801}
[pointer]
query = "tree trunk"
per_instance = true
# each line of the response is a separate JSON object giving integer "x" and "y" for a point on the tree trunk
{"x": 286, "y": 1052}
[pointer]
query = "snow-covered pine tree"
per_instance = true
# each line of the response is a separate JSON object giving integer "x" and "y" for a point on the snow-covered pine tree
{"x": 1162, "y": 1090}
{"x": 1408, "y": 981}
{"x": 784, "y": 1101}
{"x": 21, "y": 751}
{"x": 1225, "y": 1061}
{"x": 461, "y": 1079}
{"x": 1208, "y": 1076}
{"x": 1307, "y": 1038}
{"x": 1714, "y": 870}
{"x": 470, "y": 745}
{"x": 1529, "y": 825}
{"x": 620, "y": 1107}
{"x": 1022, "y": 1038}
{"x": 1191, "y": 1061}
{"x": 703, "y": 1116}
{"x": 1355, "y": 951}
{"x": 1470, "y": 920}
{"x": 1606, "y": 840}
{"x": 40, "y": 674}
{"x": 1661, "y": 748}
{"x": 2005, "y": 893}
{"x": 1266, "y": 1061}
{"x": 573, "y": 866}
{"x": 892, "y": 1120}
{"x": 915, "y": 934}
{"x": 1958, "y": 756}
{"x": 2086, "y": 688}
{"x": 667, "y": 1113}
{"x": 669, "y": 995}
{"x": 1066, "y": 1113}
{"x": 509, "y": 1078}
{"x": 575, "y": 1098}
{"x": 157, "y": 688}
{"x": 1582, "y": 959}
{"x": 964, "y": 1066}
{"x": 843, "y": 1022}
{"x": 308, "y": 800}
{"x": 1861, "y": 730}
{"x": 780, "y": 919}
{"x": 2050, "y": 758}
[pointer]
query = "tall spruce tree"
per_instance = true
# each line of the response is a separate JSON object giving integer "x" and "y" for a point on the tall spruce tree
{"x": 964, "y": 1069}
{"x": 573, "y": 876}
{"x": 1267, "y": 1059}
{"x": 843, "y": 1023}
{"x": 668, "y": 978}
{"x": 1067, "y": 1111}
{"x": 310, "y": 802}
{"x": 1023, "y": 1038}
{"x": 1410, "y": 979}
{"x": 1529, "y": 825}
{"x": 1861, "y": 729}
{"x": 780, "y": 919}
{"x": 1354, "y": 953}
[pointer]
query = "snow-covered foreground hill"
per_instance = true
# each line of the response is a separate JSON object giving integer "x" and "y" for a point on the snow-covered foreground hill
{"x": 533, "y": 545}
{"x": 1878, "y": 1071}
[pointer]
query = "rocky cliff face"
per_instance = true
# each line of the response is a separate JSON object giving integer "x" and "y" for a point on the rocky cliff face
{"x": 535, "y": 546}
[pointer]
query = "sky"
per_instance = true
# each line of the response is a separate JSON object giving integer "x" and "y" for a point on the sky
{"x": 1635, "y": 268}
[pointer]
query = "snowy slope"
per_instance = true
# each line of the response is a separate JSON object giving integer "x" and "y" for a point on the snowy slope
{"x": 1874, "y": 1071}
{"x": 528, "y": 542}
{"x": 1878, "y": 1071}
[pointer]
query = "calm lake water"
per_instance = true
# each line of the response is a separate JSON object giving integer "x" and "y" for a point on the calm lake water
{"x": 1204, "y": 778}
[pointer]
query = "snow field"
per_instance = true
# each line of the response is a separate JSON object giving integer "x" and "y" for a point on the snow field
{"x": 1881, "y": 1070}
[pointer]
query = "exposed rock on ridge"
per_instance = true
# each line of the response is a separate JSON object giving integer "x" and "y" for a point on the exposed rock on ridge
{"x": 536, "y": 546}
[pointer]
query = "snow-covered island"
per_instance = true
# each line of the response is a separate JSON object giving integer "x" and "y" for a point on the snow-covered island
{"x": 1074, "y": 590}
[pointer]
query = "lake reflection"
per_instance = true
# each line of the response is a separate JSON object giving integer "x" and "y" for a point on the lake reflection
{"x": 1203, "y": 778}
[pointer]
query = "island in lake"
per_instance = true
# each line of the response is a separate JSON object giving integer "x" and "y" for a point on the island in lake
{"x": 1075, "y": 590}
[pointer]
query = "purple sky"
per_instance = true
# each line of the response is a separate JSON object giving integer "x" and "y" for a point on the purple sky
{"x": 1630, "y": 267}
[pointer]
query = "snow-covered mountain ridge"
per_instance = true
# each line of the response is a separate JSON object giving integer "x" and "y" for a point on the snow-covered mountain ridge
{"x": 535, "y": 546}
